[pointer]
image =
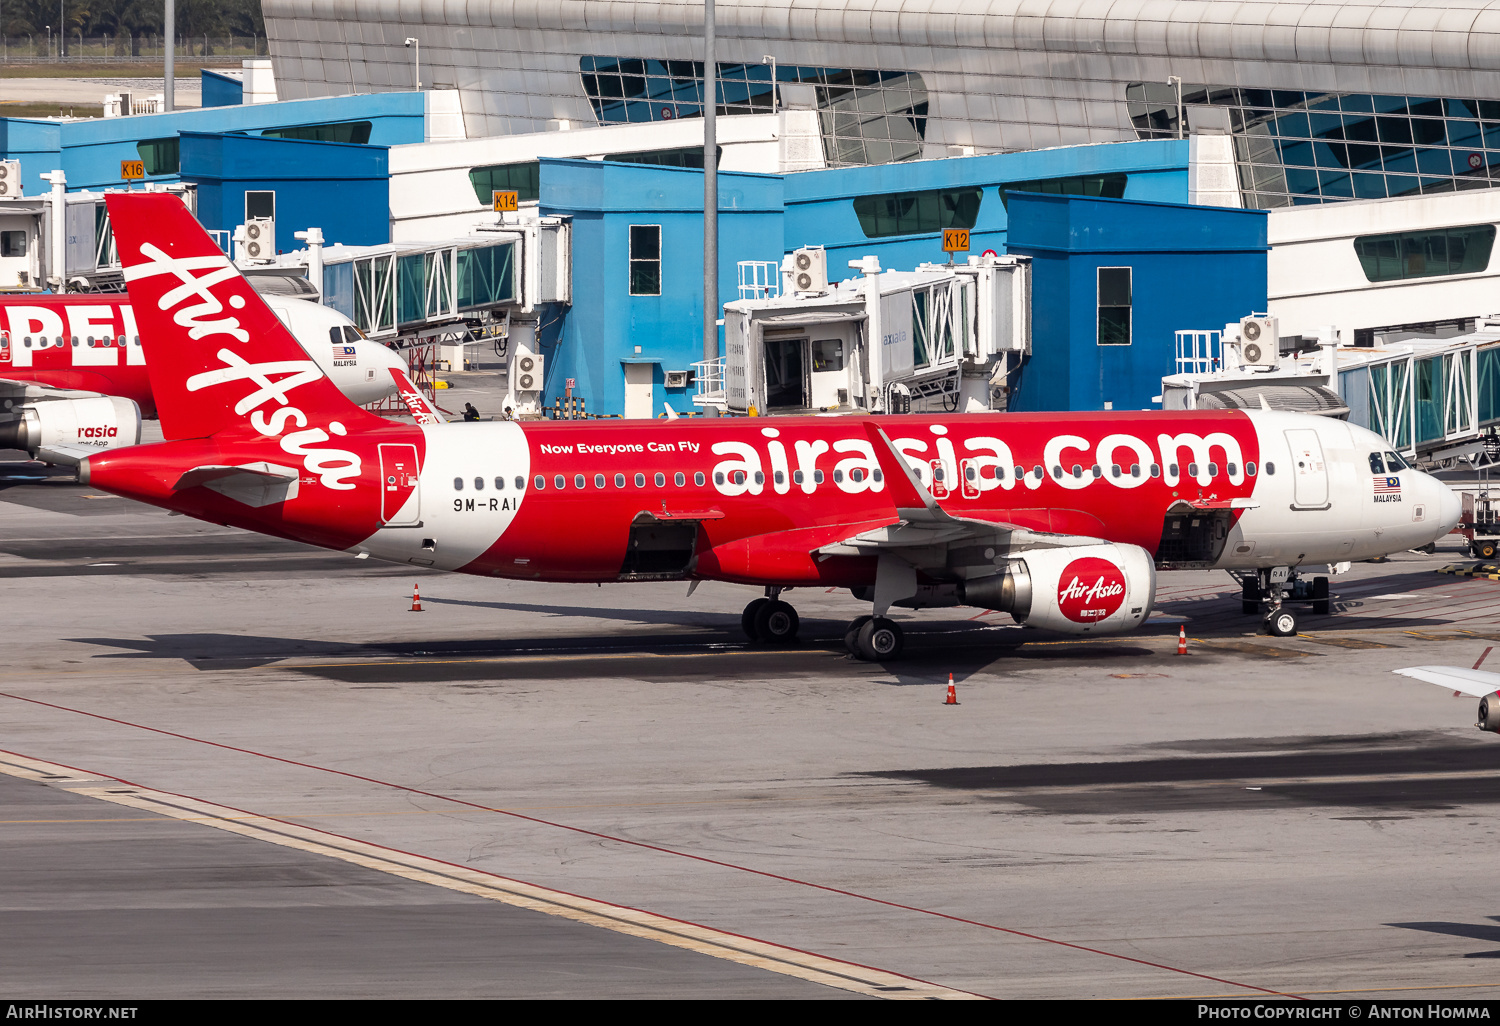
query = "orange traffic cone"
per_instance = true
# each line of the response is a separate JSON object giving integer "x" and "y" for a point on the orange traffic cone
{"x": 416, "y": 600}
{"x": 1182, "y": 640}
{"x": 952, "y": 695}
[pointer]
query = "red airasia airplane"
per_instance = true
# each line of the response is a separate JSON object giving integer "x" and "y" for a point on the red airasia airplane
{"x": 1059, "y": 519}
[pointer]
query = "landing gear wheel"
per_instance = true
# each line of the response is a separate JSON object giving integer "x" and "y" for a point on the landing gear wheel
{"x": 1282, "y": 623}
{"x": 1250, "y": 597}
{"x": 851, "y": 636}
{"x": 775, "y": 622}
{"x": 878, "y": 640}
{"x": 747, "y": 618}
{"x": 1320, "y": 596}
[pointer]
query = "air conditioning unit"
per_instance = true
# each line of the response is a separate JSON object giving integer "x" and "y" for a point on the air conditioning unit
{"x": 1258, "y": 341}
{"x": 810, "y": 270}
{"x": 10, "y": 178}
{"x": 678, "y": 379}
{"x": 527, "y": 371}
{"x": 260, "y": 238}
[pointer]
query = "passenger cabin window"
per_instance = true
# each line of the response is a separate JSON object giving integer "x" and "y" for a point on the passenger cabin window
{"x": 560, "y": 481}
{"x": 698, "y": 479}
{"x": 458, "y": 484}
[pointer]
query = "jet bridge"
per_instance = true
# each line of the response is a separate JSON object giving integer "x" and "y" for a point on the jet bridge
{"x": 941, "y": 336}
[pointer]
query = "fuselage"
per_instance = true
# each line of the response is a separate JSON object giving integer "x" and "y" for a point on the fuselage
{"x": 752, "y": 500}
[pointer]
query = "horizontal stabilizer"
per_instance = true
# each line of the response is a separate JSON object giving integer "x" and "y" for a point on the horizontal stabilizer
{"x": 253, "y": 484}
{"x": 1478, "y": 683}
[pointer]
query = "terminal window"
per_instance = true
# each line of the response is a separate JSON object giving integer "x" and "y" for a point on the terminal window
{"x": 161, "y": 156}
{"x": 1114, "y": 306}
{"x": 524, "y": 179}
{"x": 1429, "y": 254}
{"x": 911, "y": 213}
{"x": 691, "y": 156}
{"x": 1110, "y": 186}
{"x": 336, "y": 131}
{"x": 645, "y": 260}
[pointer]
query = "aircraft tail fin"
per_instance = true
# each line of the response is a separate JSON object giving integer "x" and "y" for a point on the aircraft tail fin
{"x": 215, "y": 352}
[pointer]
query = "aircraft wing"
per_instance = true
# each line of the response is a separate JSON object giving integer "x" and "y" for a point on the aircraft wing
{"x": 1477, "y": 683}
{"x": 20, "y": 388}
{"x": 923, "y": 523}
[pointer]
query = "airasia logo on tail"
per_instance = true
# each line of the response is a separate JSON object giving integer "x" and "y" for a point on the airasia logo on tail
{"x": 1090, "y": 589}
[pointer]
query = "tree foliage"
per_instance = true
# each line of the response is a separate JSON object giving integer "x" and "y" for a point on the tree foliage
{"x": 113, "y": 17}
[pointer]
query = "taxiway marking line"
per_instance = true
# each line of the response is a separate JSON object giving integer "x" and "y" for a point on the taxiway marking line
{"x": 659, "y": 849}
{"x": 751, "y": 951}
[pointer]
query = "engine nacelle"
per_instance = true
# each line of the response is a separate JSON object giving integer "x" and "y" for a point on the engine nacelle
{"x": 98, "y": 422}
{"x": 1084, "y": 589}
{"x": 1489, "y": 714}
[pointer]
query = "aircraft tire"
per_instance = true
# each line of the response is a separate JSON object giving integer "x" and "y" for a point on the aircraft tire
{"x": 1320, "y": 603}
{"x": 1485, "y": 550}
{"x": 879, "y": 640}
{"x": 776, "y": 622}
{"x": 851, "y": 635}
{"x": 1282, "y": 623}
{"x": 749, "y": 616}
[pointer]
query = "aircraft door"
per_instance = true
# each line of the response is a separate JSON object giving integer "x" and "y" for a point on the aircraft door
{"x": 1309, "y": 471}
{"x": 398, "y": 480}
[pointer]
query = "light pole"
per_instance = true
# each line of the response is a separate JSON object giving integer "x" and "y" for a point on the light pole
{"x": 1176, "y": 80}
{"x": 62, "y": 32}
{"x": 710, "y": 192}
{"x": 169, "y": 76}
{"x": 416, "y": 45}
{"x": 769, "y": 59}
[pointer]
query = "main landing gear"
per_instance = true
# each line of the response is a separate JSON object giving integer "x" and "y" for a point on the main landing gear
{"x": 1268, "y": 591}
{"x": 769, "y": 621}
{"x": 874, "y": 639}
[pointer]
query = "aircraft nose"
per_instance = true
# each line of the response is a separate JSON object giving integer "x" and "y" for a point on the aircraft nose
{"x": 1450, "y": 509}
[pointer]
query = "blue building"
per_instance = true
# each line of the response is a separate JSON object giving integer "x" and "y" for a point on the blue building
{"x": 89, "y": 151}
{"x": 1112, "y": 282}
{"x": 638, "y": 272}
{"x": 342, "y": 188}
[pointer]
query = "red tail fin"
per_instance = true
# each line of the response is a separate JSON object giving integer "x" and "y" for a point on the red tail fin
{"x": 213, "y": 350}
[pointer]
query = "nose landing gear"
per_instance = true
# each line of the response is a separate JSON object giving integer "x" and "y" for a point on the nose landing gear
{"x": 1268, "y": 591}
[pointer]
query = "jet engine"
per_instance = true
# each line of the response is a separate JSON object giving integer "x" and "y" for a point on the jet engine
{"x": 1081, "y": 589}
{"x": 1489, "y": 714}
{"x": 96, "y": 422}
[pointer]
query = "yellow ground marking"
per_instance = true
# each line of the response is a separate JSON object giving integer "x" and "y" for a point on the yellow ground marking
{"x": 633, "y": 922}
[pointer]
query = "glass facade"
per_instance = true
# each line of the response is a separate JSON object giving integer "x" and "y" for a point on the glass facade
{"x": 1428, "y": 254}
{"x": 1294, "y": 147}
{"x": 339, "y": 131}
{"x": 865, "y": 117}
{"x": 908, "y": 213}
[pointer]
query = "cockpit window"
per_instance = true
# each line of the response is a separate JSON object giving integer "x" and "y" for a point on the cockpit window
{"x": 1394, "y": 462}
{"x": 1377, "y": 465}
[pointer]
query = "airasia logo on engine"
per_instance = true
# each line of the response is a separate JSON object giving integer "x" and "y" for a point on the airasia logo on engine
{"x": 1090, "y": 590}
{"x": 98, "y": 432}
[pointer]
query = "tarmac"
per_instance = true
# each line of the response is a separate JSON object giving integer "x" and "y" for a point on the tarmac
{"x": 232, "y": 766}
